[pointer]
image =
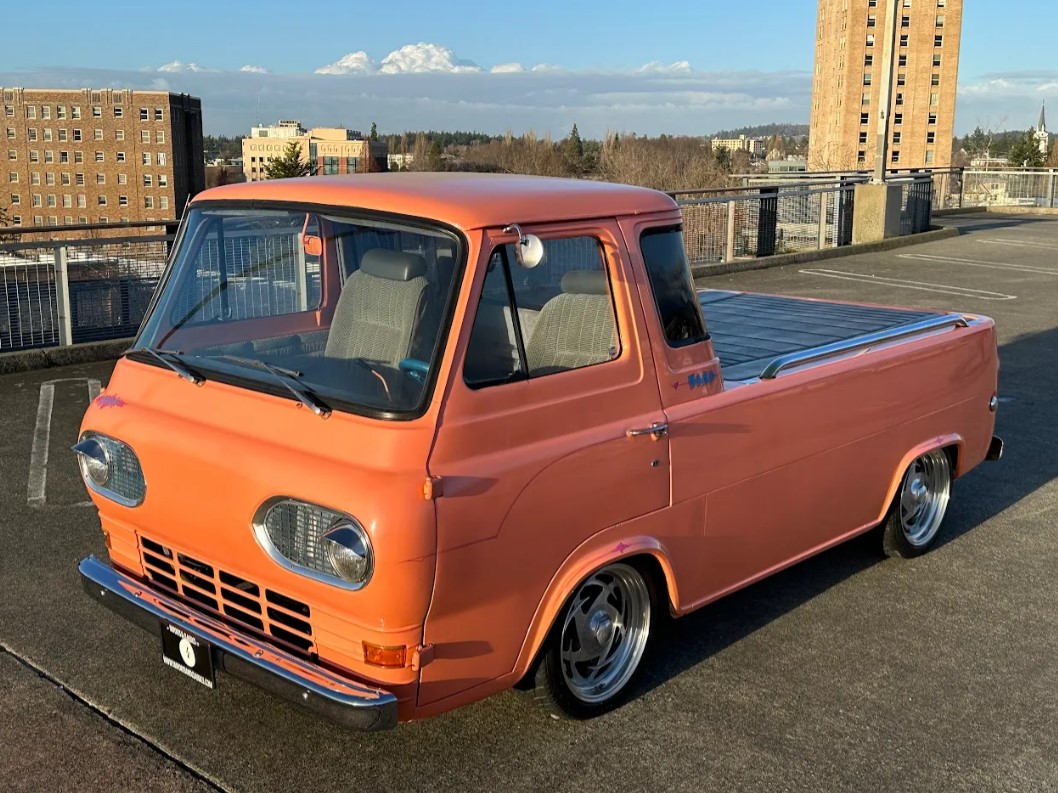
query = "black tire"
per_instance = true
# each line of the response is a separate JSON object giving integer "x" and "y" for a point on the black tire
{"x": 558, "y": 683}
{"x": 919, "y": 507}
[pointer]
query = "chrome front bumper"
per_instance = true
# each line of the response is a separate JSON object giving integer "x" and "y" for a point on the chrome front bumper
{"x": 344, "y": 701}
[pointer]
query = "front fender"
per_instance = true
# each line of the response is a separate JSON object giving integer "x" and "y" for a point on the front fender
{"x": 604, "y": 548}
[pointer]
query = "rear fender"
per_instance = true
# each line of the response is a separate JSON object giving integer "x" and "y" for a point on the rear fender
{"x": 602, "y": 549}
{"x": 939, "y": 442}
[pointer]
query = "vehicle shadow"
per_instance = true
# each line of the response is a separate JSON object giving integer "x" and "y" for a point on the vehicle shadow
{"x": 1030, "y": 461}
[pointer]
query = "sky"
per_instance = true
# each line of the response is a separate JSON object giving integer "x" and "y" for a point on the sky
{"x": 624, "y": 65}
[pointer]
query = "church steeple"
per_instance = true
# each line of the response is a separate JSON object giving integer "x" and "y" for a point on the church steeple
{"x": 1042, "y": 137}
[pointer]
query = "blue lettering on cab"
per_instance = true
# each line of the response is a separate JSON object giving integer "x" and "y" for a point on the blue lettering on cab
{"x": 697, "y": 380}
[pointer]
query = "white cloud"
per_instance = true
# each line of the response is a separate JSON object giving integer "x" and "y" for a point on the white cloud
{"x": 423, "y": 57}
{"x": 358, "y": 62}
{"x": 657, "y": 67}
{"x": 180, "y": 66}
{"x": 507, "y": 68}
{"x": 254, "y": 69}
{"x": 542, "y": 99}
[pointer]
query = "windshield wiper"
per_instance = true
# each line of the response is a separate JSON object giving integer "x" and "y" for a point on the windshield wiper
{"x": 171, "y": 359}
{"x": 290, "y": 380}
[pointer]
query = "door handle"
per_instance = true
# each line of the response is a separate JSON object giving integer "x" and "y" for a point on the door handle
{"x": 657, "y": 431}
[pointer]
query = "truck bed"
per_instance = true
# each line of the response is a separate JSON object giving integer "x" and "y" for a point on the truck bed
{"x": 751, "y": 330}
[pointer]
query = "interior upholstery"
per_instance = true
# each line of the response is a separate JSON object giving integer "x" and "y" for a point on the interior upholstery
{"x": 379, "y": 307}
{"x": 575, "y": 328}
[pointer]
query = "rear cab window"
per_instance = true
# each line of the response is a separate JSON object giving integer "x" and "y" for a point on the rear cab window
{"x": 675, "y": 298}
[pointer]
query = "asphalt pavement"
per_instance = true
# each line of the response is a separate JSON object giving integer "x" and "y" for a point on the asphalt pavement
{"x": 848, "y": 672}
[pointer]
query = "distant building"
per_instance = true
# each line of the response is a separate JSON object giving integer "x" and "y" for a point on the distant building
{"x": 399, "y": 162}
{"x": 100, "y": 156}
{"x": 755, "y": 146}
{"x": 333, "y": 150}
{"x": 850, "y": 42}
{"x": 791, "y": 164}
{"x": 1042, "y": 137}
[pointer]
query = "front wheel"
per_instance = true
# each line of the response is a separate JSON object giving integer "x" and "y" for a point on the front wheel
{"x": 919, "y": 507}
{"x": 595, "y": 647}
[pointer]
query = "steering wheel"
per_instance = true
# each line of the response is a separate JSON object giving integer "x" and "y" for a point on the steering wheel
{"x": 415, "y": 369}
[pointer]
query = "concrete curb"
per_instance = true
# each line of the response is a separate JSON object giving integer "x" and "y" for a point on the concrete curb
{"x": 944, "y": 213}
{"x": 44, "y": 358}
{"x": 784, "y": 259}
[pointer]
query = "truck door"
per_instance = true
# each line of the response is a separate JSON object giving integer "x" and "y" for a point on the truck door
{"x": 544, "y": 441}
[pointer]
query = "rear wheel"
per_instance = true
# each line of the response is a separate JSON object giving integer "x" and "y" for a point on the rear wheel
{"x": 920, "y": 506}
{"x": 597, "y": 644}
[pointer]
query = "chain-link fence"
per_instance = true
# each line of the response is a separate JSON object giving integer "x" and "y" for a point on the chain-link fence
{"x": 77, "y": 290}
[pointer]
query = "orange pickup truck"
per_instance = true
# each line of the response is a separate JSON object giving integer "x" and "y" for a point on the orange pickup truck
{"x": 389, "y": 444}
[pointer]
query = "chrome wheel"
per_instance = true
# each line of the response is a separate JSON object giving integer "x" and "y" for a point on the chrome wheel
{"x": 604, "y": 633}
{"x": 924, "y": 497}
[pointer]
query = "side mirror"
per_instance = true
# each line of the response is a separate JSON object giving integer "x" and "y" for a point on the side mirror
{"x": 529, "y": 250}
{"x": 312, "y": 244}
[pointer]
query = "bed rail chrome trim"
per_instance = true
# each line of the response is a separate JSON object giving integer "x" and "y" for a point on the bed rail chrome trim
{"x": 801, "y": 357}
{"x": 345, "y": 701}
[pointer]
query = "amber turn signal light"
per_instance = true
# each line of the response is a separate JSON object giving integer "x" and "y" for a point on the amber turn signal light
{"x": 391, "y": 656}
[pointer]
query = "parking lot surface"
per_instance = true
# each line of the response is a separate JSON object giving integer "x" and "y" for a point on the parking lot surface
{"x": 846, "y": 672}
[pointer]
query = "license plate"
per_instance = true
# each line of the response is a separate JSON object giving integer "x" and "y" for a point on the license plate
{"x": 188, "y": 655}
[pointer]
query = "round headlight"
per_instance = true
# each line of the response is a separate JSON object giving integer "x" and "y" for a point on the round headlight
{"x": 349, "y": 552}
{"x": 95, "y": 460}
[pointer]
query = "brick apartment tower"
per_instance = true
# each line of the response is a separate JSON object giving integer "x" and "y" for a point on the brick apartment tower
{"x": 106, "y": 156}
{"x": 850, "y": 42}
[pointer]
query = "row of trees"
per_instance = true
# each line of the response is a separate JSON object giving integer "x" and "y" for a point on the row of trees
{"x": 663, "y": 162}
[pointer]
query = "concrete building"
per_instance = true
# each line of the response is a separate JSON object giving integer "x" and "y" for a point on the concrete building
{"x": 755, "y": 146}
{"x": 332, "y": 150}
{"x": 99, "y": 156}
{"x": 850, "y": 42}
{"x": 1042, "y": 136}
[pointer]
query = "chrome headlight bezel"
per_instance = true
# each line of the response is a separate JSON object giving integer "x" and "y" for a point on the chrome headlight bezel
{"x": 112, "y": 449}
{"x": 328, "y": 521}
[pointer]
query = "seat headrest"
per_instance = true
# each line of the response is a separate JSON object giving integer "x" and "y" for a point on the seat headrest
{"x": 393, "y": 265}
{"x": 585, "y": 282}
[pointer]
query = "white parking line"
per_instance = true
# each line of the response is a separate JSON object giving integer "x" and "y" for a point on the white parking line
{"x": 1021, "y": 244}
{"x": 36, "y": 491}
{"x": 1024, "y": 268}
{"x": 921, "y": 286}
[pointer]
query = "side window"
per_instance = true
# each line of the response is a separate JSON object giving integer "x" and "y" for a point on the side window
{"x": 670, "y": 281}
{"x": 552, "y": 318}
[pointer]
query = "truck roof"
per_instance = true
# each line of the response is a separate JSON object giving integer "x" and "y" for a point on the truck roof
{"x": 463, "y": 200}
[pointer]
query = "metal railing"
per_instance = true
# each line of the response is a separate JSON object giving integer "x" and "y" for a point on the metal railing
{"x": 1037, "y": 187}
{"x": 788, "y": 215}
{"x": 70, "y": 291}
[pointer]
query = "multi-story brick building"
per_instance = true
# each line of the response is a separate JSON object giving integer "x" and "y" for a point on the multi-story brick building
{"x": 850, "y": 41}
{"x": 98, "y": 156}
{"x": 332, "y": 150}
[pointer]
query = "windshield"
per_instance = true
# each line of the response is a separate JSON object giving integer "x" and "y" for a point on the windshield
{"x": 350, "y": 308}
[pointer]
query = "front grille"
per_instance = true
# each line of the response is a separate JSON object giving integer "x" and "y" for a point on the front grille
{"x": 233, "y": 599}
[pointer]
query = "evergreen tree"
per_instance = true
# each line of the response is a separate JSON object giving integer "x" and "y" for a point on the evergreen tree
{"x": 1025, "y": 153}
{"x": 289, "y": 164}
{"x": 574, "y": 151}
{"x": 374, "y": 131}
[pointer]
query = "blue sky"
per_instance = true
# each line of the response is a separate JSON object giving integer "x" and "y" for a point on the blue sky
{"x": 712, "y": 64}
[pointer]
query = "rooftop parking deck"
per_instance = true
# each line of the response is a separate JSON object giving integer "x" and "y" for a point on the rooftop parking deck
{"x": 846, "y": 672}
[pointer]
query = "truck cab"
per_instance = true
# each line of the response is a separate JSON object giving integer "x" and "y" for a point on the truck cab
{"x": 388, "y": 444}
